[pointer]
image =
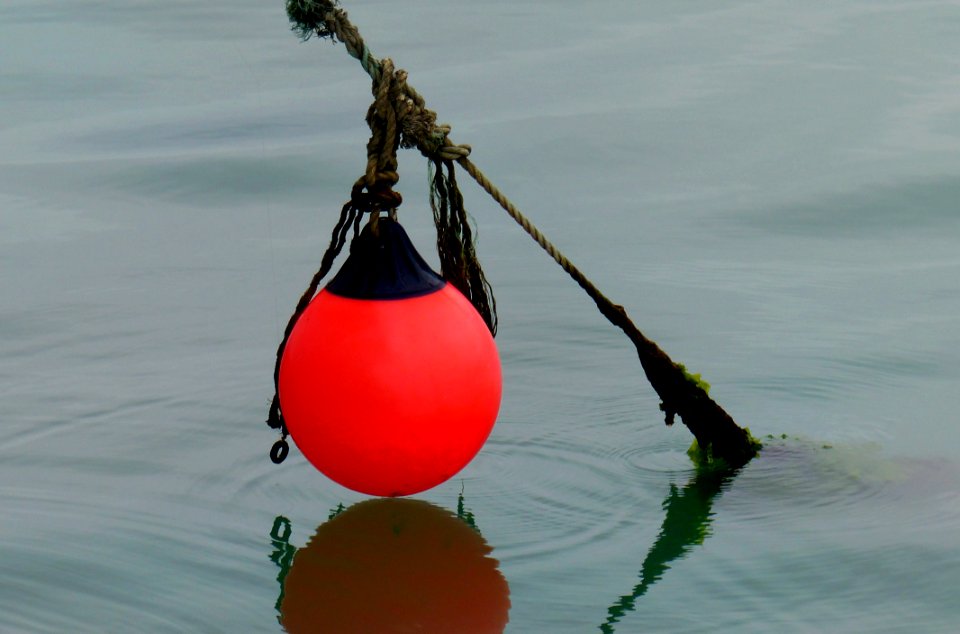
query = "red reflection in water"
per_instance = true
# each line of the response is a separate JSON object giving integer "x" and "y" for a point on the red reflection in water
{"x": 395, "y": 565}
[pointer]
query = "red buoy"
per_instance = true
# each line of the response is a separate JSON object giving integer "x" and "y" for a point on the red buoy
{"x": 390, "y": 381}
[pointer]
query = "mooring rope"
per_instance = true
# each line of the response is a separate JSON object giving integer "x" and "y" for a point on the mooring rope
{"x": 431, "y": 139}
{"x": 681, "y": 394}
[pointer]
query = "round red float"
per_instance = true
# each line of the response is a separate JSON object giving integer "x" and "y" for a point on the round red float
{"x": 390, "y": 381}
{"x": 391, "y": 566}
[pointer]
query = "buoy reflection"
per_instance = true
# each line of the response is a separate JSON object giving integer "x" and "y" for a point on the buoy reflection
{"x": 391, "y": 565}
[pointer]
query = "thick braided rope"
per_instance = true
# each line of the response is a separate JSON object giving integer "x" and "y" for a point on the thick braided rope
{"x": 381, "y": 172}
{"x": 387, "y": 157}
{"x": 613, "y": 312}
{"x": 530, "y": 228}
{"x": 411, "y": 106}
{"x": 434, "y": 142}
{"x": 339, "y": 24}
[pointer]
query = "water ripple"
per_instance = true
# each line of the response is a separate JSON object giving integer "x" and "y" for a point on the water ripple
{"x": 124, "y": 567}
{"x": 572, "y": 489}
{"x": 853, "y": 488}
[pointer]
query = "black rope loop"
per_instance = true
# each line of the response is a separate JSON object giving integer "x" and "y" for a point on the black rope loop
{"x": 376, "y": 200}
{"x": 279, "y": 451}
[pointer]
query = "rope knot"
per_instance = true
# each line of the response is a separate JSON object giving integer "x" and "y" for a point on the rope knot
{"x": 373, "y": 192}
{"x": 376, "y": 197}
{"x": 437, "y": 145}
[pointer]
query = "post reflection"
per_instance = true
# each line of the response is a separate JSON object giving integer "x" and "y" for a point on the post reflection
{"x": 685, "y": 525}
{"x": 390, "y": 565}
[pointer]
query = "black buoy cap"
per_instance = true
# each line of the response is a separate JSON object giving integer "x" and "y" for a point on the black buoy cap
{"x": 384, "y": 265}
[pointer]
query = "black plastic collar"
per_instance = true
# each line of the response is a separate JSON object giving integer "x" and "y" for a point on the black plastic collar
{"x": 384, "y": 266}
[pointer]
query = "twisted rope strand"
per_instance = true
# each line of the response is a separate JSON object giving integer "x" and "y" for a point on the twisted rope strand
{"x": 338, "y": 238}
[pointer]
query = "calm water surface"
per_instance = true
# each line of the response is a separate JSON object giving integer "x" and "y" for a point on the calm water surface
{"x": 770, "y": 189}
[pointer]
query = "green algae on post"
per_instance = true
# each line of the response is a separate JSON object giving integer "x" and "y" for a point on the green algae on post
{"x": 696, "y": 379}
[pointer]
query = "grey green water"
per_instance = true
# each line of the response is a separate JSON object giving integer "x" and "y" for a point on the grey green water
{"x": 772, "y": 189}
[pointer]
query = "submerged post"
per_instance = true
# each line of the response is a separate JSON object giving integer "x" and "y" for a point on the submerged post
{"x": 681, "y": 393}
